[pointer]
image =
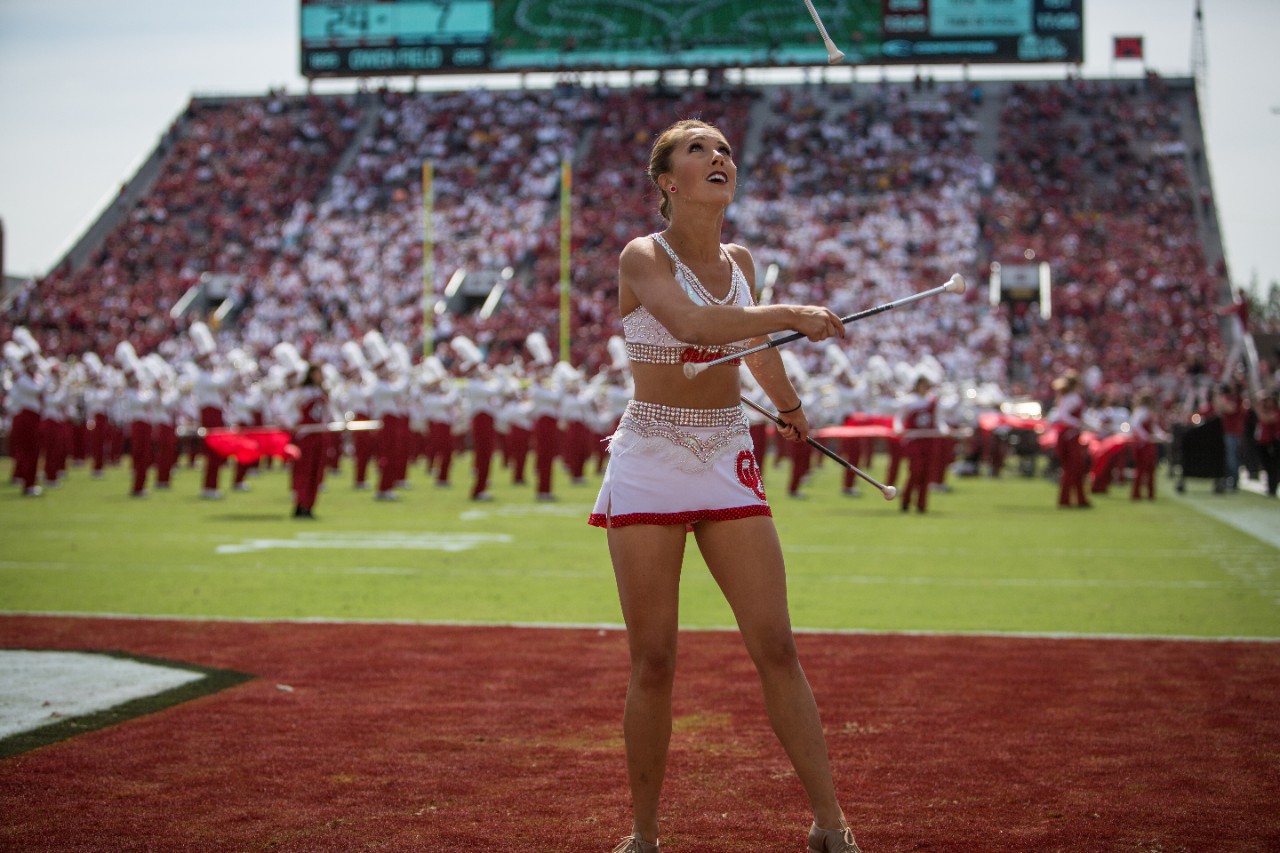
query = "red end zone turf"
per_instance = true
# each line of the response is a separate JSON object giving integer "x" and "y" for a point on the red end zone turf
{"x": 433, "y": 738}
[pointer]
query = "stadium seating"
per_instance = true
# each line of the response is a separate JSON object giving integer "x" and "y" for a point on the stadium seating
{"x": 859, "y": 195}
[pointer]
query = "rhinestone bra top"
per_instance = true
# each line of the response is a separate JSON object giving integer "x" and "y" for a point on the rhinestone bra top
{"x": 646, "y": 338}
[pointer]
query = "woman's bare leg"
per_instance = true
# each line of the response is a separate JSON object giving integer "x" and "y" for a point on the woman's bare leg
{"x": 745, "y": 559}
{"x": 646, "y": 565}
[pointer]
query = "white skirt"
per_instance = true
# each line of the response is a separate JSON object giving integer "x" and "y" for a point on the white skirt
{"x": 679, "y": 466}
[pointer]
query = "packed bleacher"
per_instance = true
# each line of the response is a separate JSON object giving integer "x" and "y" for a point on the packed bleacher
{"x": 853, "y": 195}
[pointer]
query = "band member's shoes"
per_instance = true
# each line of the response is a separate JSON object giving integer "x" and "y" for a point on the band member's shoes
{"x": 33, "y": 491}
{"x": 832, "y": 840}
{"x": 211, "y": 495}
{"x": 386, "y": 496}
{"x": 633, "y": 844}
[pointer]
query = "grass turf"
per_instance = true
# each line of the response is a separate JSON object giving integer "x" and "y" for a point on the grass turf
{"x": 991, "y": 556}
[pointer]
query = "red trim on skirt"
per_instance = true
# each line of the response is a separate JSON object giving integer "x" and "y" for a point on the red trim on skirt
{"x": 599, "y": 519}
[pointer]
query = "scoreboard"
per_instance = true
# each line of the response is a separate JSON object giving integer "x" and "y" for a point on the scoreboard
{"x": 386, "y": 38}
{"x": 1013, "y": 31}
{"x": 354, "y": 38}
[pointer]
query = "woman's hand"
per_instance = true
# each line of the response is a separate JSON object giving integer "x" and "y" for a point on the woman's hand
{"x": 816, "y": 323}
{"x": 794, "y": 426}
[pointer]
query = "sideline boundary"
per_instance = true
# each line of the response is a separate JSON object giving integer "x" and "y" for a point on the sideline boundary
{"x": 612, "y": 626}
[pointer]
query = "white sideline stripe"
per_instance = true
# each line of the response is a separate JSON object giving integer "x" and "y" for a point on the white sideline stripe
{"x": 614, "y": 626}
{"x": 1259, "y": 519}
{"x": 38, "y": 688}
{"x": 888, "y": 580}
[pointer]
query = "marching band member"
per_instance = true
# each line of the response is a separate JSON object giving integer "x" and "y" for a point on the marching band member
{"x": 917, "y": 412}
{"x": 307, "y": 416}
{"x": 387, "y": 404}
{"x": 25, "y": 400}
{"x": 545, "y": 399}
{"x": 516, "y": 415}
{"x": 800, "y": 453}
{"x": 574, "y": 405}
{"x": 1067, "y": 414}
{"x": 55, "y": 426}
{"x": 138, "y": 398}
{"x": 440, "y": 401}
{"x": 1266, "y": 437}
{"x": 210, "y": 389}
{"x": 354, "y": 401}
{"x": 1146, "y": 452}
{"x": 480, "y": 403}
{"x": 244, "y": 409}
{"x": 849, "y": 400}
{"x": 97, "y": 405}
{"x": 164, "y": 418}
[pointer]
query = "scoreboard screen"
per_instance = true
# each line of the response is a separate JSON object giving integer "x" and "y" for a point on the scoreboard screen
{"x": 409, "y": 37}
{"x": 353, "y": 39}
{"x": 959, "y": 31}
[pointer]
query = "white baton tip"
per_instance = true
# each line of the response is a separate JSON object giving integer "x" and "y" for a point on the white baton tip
{"x": 833, "y": 56}
{"x": 690, "y": 370}
{"x": 956, "y": 284}
{"x": 890, "y": 493}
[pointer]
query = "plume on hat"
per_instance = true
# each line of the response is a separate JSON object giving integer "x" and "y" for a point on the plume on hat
{"x": 839, "y": 360}
{"x": 203, "y": 339}
{"x": 354, "y": 355}
{"x": 288, "y": 357}
{"x": 26, "y": 340}
{"x": 538, "y": 348}
{"x": 467, "y": 351}
{"x": 127, "y": 357}
{"x": 375, "y": 348}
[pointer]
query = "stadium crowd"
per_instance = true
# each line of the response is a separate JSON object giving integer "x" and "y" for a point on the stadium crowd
{"x": 854, "y": 196}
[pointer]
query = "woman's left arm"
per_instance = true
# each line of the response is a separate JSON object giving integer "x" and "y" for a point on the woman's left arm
{"x": 768, "y": 369}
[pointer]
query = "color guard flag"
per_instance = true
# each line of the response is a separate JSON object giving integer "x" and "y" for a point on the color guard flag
{"x": 249, "y": 445}
{"x": 1127, "y": 47}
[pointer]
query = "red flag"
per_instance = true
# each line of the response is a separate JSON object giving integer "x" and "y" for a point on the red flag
{"x": 249, "y": 445}
{"x": 1127, "y": 47}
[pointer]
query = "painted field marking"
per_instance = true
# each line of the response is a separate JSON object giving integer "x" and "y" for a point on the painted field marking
{"x": 557, "y": 510}
{"x": 42, "y": 687}
{"x": 426, "y": 541}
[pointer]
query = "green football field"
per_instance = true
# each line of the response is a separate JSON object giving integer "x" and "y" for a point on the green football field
{"x": 990, "y": 556}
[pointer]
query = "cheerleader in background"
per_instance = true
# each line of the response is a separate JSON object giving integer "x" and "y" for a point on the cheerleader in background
{"x": 312, "y": 410}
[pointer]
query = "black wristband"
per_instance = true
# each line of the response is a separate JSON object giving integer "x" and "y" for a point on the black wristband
{"x": 796, "y": 408}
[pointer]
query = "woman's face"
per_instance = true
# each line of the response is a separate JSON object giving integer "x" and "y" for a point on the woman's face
{"x": 702, "y": 168}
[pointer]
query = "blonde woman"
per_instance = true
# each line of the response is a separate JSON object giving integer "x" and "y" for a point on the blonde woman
{"x": 681, "y": 459}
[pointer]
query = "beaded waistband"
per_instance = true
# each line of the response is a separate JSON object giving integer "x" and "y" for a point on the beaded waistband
{"x": 655, "y": 354}
{"x": 712, "y": 418}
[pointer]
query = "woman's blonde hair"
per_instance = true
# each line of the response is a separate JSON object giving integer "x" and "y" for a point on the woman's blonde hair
{"x": 660, "y": 156}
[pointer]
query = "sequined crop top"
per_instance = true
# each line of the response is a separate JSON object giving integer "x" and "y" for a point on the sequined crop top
{"x": 649, "y": 342}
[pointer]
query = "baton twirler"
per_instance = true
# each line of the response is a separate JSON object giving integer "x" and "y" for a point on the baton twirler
{"x": 954, "y": 285}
